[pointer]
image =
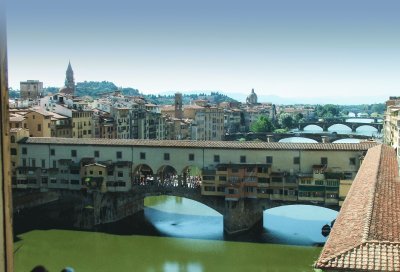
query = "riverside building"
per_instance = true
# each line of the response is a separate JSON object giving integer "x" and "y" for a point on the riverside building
{"x": 305, "y": 173}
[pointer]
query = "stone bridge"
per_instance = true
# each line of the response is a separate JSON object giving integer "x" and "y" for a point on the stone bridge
{"x": 276, "y": 137}
{"x": 94, "y": 208}
{"x": 328, "y": 123}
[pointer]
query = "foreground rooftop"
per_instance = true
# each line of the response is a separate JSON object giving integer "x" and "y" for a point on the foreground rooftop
{"x": 202, "y": 144}
{"x": 366, "y": 234}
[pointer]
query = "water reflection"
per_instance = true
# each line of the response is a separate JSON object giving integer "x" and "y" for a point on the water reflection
{"x": 297, "y": 140}
{"x": 294, "y": 224}
{"x": 142, "y": 249}
{"x": 347, "y": 140}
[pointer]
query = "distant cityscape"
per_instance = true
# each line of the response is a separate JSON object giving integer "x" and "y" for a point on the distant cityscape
{"x": 108, "y": 148}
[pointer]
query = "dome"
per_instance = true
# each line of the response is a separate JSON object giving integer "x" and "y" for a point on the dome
{"x": 251, "y": 98}
{"x": 66, "y": 90}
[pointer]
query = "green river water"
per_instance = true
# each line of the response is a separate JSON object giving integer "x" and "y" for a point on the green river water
{"x": 176, "y": 244}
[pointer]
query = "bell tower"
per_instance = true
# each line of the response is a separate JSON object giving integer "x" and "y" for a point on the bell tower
{"x": 69, "y": 78}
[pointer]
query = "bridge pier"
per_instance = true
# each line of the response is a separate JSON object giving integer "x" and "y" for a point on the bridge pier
{"x": 242, "y": 215}
{"x": 108, "y": 207}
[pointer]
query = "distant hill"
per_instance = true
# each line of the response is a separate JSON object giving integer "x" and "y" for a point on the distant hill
{"x": 168, "y": 99}
{"x": 96, "y": 88}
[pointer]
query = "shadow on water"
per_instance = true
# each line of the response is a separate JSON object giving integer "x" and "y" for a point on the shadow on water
{"x": 279, "y": 226}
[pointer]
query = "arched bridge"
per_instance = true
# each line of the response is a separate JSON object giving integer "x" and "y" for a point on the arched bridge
{"x": 93, "y": 208}
{"x": 325, "y": 125}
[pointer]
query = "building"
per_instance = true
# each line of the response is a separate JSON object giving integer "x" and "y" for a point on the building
{"x": 31, "y": 90}
{"x": 38, "y": 122}
{"x": 208, "y": 124}
{"x": 16, "y": 134}
{"x": 305, "y": 173}
{"x": 392, "y": 123}
{"x": 69, "y": 84}
{"x": 252, "y": 98}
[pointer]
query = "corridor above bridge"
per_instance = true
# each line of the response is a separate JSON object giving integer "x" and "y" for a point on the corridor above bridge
{"x": 366, "y": 234}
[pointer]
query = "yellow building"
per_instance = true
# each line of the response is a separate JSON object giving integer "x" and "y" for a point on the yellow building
{"x": 82, "y": 123}
{"x": 38, "y": 122}
{"x": 16, "y": 134}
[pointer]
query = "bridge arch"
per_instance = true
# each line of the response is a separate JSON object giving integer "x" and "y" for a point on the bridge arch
{"x": 313, "y": 127}
{"x": 191, "y": 176}
{"x": 340, "y": 127}
{"x": 157, "y": 199}
{"x": 297, "y": 140}
{"x": 167, "y": 176}
{"x": 367, "y": 127}
{"x": 141, "y": 174}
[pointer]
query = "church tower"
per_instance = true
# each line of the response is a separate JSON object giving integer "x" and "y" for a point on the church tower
{"x": 69, "y": 84}
{"x": 178, "y": 106}
{"x": 69, "y": 78}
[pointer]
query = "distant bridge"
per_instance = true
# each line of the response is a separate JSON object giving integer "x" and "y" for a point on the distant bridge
{"x": 326, "y": 124}
{"x": 276, "y": 137}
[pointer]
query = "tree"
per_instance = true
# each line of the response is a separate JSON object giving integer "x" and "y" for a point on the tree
{"x": 327, "y": 111}
{"x": 263, "y": 124}
{"x": 286, "y": 121}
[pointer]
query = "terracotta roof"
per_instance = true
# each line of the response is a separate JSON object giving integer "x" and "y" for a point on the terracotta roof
{"x": 202, "y": 144}
{"x": 366, "y": 234}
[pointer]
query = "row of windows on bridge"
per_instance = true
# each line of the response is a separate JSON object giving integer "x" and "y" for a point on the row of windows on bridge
{"x": 286, "y": 192}
{"x": 191, "y": 156}
{"x": 45, "y": 180}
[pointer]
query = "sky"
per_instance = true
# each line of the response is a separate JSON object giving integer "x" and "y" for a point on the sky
{"x": 343, "y": 49}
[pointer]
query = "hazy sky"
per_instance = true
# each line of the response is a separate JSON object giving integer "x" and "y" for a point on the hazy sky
{"x": 282, "y": 47}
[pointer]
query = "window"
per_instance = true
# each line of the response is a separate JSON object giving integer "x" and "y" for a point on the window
{"x": 33, "y": 163}
{"x": 23, "y": 162}
{"x": 142, "y": 155}
{"x": 73, "y": 153}
{"x": 13, "y": 139}
{"x": 352, "y": 161}
{"x": 324, "y": 161}
{"x": 242, "y": 159}
{"x": 209, "y": 188}
{"x": 222, "y": 178}
{"x": 166, "y": 156}
{"x": 296, "y": 160}
{"x": 54, "y": 164}
{"x": 119, "y": 154}
{"x": 43, "y": 163}
{"x": 44, "y": 180}
{"x": 96, "y": 153}
{"x": 120, "y": 174}
{"x": 277, "y": 179}
{"x": 216, "y": 158}
{"x": 347, "y": 175}
{"x": 100, "y": 172}
{"x": 91, "y": 172}
{"x": 263, "y": 180}
{"x": 39, "y": 127}
{"x": 24, "y": 151}
{"x": 52, "y": 152}
{"x": 269, "y": 159}
{"x": 191, "y": 157}
{"x": 13, "y": 151}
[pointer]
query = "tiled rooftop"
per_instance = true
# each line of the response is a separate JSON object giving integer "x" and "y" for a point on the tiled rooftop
{"x": 366, "y": 234}
{"x": 203, "y": 144}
